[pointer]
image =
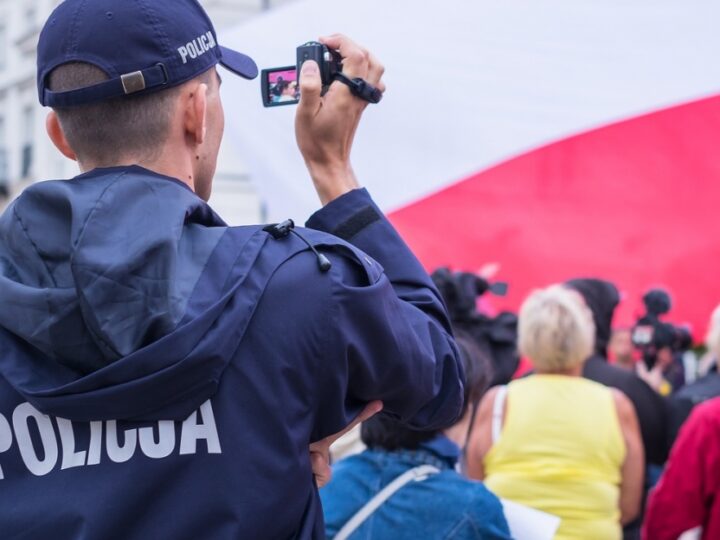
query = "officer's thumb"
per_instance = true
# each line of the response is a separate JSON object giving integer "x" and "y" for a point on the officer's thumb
{"x": 310, "y": 88}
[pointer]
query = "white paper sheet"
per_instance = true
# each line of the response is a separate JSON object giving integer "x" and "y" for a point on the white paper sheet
{"x": 528, "y": 523}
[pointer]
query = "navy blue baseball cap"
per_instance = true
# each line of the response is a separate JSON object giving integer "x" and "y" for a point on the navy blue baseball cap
{"x": 142, "y": 45}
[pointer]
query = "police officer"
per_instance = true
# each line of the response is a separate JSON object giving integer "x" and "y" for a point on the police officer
{"x": 162, "y": 375}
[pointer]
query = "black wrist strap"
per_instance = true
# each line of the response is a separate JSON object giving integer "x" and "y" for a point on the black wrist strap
{"x": 360, "y": 88}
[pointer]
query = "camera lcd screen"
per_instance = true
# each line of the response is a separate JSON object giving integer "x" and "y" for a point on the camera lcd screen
{"x": 280, "y": 86}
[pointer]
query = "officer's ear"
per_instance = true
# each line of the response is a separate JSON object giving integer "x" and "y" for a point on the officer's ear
{"x": 57, "y": 136}
{"x": 196, "y": 113}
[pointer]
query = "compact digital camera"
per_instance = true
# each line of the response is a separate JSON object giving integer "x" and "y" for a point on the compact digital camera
{"x": 281, "y": 85}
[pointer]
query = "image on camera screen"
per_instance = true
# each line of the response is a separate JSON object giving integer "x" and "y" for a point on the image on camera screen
{"x": 282, "y": 87}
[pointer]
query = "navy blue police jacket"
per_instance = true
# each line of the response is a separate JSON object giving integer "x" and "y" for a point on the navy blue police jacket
{"x": 162, "y": 374}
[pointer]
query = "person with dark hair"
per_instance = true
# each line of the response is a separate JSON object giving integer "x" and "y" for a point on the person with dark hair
{"x": 622, "y": 349}
{"x": 405, "y": 485}
{"x": 278, "y": 87}
{"x": 602, "y": 298}
{"x": 496, "y": 336}
{"x": 164, "y": 375}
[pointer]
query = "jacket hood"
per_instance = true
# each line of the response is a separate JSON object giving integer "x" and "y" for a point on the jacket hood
{"x": 602, "y": 298}
{"x": 110, "y": 293}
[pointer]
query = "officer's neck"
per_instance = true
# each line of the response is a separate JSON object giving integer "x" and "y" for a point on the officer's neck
{"x": 163, "y": 164}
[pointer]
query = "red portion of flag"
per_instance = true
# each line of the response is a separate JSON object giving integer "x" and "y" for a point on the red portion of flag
{"x": 637, "y": 203}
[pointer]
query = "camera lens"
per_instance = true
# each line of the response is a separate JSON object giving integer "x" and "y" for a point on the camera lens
{"x": 306, "y": 55}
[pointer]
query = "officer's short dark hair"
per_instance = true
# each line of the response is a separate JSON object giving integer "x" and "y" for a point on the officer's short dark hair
{"x": 386, "y": 433}
{"x": 120, "y": 127}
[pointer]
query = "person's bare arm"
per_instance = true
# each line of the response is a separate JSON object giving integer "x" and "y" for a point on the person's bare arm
{"x": 320, "y": 450}
{"x": 481, "y": 436}
{"x": 392, "y": 337}
{"x": 633, "y": 468}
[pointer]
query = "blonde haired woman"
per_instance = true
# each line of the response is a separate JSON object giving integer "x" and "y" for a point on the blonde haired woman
{"x": 555, "y": 441}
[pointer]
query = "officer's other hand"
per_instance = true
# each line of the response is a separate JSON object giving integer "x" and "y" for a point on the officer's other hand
{"x": 320, "y": 451}
{"x": 325, "y": 126}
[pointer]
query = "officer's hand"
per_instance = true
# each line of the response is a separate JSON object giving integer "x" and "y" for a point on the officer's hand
{"x": 320, "y": 451}
{"x": 325, "y": 126}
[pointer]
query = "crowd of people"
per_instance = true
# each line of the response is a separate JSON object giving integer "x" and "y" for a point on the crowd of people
{"x": 584, "y": 436}
{"x": 284, "y": 90}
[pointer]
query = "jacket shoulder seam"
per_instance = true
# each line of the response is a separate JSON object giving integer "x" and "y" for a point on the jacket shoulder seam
{"x": 16, "y": 215}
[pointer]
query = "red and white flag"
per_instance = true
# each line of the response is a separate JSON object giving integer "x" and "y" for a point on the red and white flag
{"x": 556, "y": 139}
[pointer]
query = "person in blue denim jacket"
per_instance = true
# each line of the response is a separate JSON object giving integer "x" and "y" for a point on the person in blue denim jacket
{"x": 440, "y": 505}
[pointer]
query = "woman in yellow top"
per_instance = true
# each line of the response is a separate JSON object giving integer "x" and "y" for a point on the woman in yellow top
{"x": 555, "y": 441}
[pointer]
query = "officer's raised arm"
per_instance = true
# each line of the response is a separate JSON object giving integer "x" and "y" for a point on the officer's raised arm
{"x": 144, "y": 342}
{"x": 390, "y": 337}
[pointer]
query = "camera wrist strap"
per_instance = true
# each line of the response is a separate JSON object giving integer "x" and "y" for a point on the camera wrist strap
{"x": 360, "y": 88}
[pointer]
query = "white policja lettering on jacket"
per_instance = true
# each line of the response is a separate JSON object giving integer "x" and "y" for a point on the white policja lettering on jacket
{"x": 197, "y": 47}
{"x": 26, "y": 419}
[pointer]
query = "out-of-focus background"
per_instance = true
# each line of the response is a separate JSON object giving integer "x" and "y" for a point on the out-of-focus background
{"x": 546, "y": 140}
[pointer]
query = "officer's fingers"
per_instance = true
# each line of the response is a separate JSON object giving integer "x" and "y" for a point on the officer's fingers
{"x": 355, "y": 58}
{"x": 310, "y": 90}
{"x": 321, "y": 468}
{"x": 375, "y": 73}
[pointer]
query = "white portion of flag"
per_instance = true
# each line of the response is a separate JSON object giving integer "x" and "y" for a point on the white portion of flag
{"x": 471, "y": 83}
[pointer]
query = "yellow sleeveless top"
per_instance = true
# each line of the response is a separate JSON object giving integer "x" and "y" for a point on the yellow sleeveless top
{"x": 561, "y": 451}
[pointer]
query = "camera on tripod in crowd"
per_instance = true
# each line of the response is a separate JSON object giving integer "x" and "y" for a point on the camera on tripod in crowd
{"x": 494, "y": 336}
{"x": 650, "y": 335}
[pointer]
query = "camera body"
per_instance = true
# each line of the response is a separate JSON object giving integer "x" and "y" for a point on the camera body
{"x": 329, "y": 61}
{"x": 281, "y": 85}
{"x": 650, "y": 334}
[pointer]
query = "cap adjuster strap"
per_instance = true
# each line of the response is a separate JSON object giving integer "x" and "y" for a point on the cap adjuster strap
{"x": 133, "y": 82}
{"x": 126, "y": 84}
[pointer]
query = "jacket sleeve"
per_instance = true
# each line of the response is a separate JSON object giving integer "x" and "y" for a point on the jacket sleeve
{"x": 681, "y": 499}
{"x": 389, "y": 338}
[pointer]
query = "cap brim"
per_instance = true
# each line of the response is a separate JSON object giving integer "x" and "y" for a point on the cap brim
{"x": 238, "y": 63}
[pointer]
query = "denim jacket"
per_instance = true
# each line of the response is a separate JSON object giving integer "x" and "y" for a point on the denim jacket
{"x": 445, "y": 506}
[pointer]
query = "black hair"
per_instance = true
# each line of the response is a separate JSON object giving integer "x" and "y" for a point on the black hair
{"x": 601, "y": 297}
